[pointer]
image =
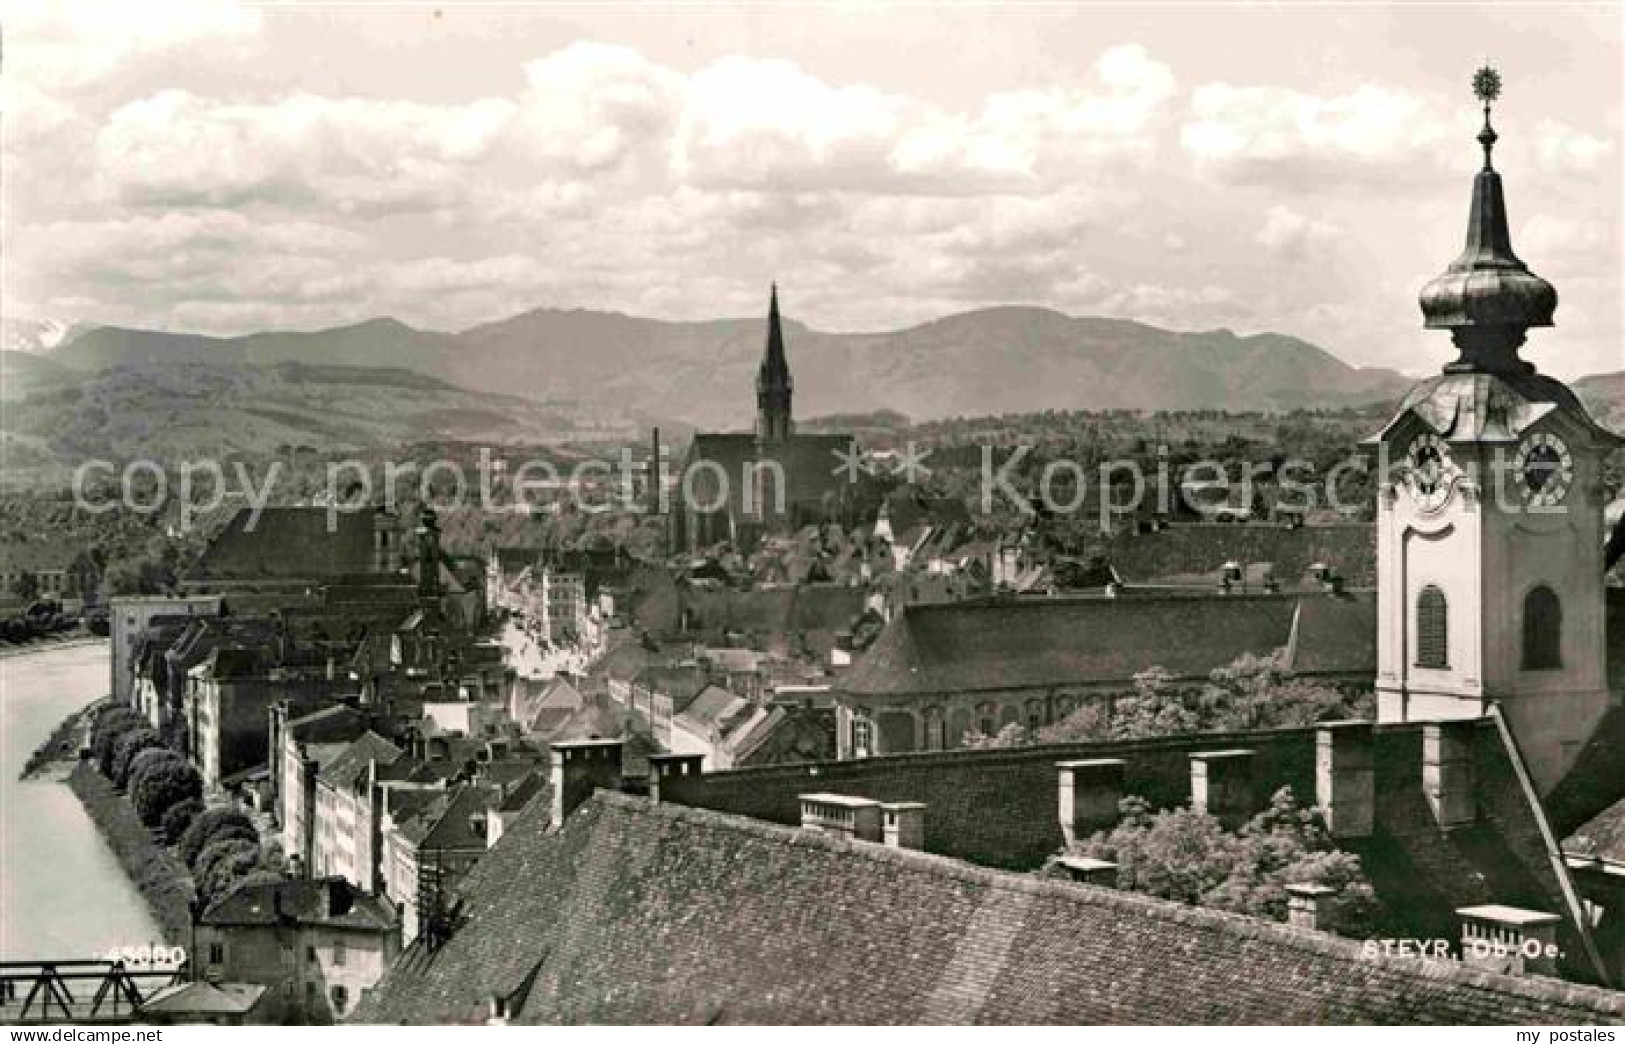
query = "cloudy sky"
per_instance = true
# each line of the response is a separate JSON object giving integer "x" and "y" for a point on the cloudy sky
{"x": 223, "y": 168}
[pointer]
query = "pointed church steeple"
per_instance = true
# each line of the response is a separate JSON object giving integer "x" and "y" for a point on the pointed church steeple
{"x": 1488, "y": 299}
{"x": 774, "y": 386}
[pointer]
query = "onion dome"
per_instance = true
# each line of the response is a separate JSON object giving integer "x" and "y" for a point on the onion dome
{"x": 1488, "y": 298}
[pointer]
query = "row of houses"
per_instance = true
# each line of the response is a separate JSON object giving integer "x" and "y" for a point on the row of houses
{"x": 340, "y": 685}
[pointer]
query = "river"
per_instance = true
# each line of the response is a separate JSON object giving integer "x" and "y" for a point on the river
{"x": 62, "y": 894}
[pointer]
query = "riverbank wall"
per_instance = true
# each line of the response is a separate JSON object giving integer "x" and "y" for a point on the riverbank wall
{"x": 60, "y": 751}
{"x": 51, "y": 644}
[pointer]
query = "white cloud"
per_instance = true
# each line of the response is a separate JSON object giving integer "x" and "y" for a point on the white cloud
{"x": 1563, "y": 150}
{"x": 1265, "y": 131}
{"x": 174, "y": 148}
{"x": 67, "y": 46}
{"x": 595, "y": 175}
{"x": 1287, "y": 232}
{"x": 756, "y": 123}
{"x": 592, "y": 106}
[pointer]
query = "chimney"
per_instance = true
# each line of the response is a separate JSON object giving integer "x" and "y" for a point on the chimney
{"x": 1090, "y": 792}
{"x": 1222, "y": 785}
{"x": 1447, "y": 772}
{"x": 577, "y": 768}
{"x": 1345, "y": 779}
{"x": 497, "y": 1010}
{"x": 1508, "y": 940}
{"x": 854, "y": 818}
{"x": 656, "y": 490}
{"x": 903, "y": 824}
{"x": 1309, "y": 906}
{"x": 1088, "y": 870}
{"x": 673, "y": 775}
{"x": 339, "y": 897}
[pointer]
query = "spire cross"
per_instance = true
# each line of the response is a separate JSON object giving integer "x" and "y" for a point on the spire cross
{"x": 1487, "y": 88}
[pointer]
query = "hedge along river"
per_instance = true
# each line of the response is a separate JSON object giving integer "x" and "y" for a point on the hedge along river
{"x": 62, "y": 893}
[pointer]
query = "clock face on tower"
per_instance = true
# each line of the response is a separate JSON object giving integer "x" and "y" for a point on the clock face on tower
{"x": 1429, "y": 470}
{"x": 1545, "y": 469}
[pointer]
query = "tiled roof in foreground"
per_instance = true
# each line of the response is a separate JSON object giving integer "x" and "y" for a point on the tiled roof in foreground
{"x": 641, "y": 913}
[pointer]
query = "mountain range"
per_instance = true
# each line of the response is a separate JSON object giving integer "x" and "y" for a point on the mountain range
{"x": 552, "y": 375}
{"x": 995, "y": 360}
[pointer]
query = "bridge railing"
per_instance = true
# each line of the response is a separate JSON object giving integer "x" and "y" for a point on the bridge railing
{"x": 78, "y": 990}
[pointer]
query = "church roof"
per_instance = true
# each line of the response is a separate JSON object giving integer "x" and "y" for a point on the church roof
{"x": 974, "y": 646}
{"x": 1487, "y": 286}
{"x": 288, "y": 543}
{"x": 1485, "y": 407}
{"x": 660, "y": 914}
{"x": 774, "y": 373}
{"x": 810, "y": 464}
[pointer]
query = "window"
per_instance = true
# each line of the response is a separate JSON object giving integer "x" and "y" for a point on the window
{"x": 1432, "y": 629}
{"x": 1035, "y": 715}
{"x": 987, "y": 720}
{"x": 310, "y": 955}
{"x": 217, "y": 953}
{"x": 1542, "y": 630}
{"x": 341, "y": 997}
{"x": 338, "y": 953}
{"x": 862, "y": 738}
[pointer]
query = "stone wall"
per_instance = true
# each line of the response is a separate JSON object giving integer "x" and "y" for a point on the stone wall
{"x": 998, "y": 807}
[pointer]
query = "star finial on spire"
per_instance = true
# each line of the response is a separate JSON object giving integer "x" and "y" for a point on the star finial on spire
{"x": 1487, "y": 88}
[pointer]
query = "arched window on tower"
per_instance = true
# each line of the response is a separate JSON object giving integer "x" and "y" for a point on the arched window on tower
{"x": 1542, "y": 630}
{"x": 1432, "y": 629}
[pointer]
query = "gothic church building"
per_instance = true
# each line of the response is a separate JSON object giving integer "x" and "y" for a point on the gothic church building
{"x": 736, "y": 488}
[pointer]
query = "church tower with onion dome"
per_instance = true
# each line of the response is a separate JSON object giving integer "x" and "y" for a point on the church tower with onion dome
{"x": 1490, "y": 512}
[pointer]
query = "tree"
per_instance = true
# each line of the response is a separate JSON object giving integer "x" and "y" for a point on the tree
{"x": 112, "y": 722}
{"x": 178, "y": 817}
{"x": 1258, "y": 692}
{"x": 1014, "y": 734}
{"x": 147, "y": 760}
{"x": 163, "y": 785}
{"x": 1251, "y": 692}
{"x": 209, "y": 823}
{"x": 262, "y": 874}
{"x": 1189, "y": 856}
{"x": 127, "y": 747}
{"x": 223, "y": 862}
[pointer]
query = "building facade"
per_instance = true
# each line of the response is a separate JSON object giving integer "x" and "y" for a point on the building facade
{"x": 315, "y": 945}
{"x": 1490, "y": 532}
